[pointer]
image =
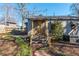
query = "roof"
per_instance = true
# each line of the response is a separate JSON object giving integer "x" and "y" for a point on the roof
{"x": 54, "y": 17}
{"x": 9, "y": 20}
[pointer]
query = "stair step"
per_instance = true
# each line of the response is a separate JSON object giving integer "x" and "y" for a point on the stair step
{"x": 40, "y": 39}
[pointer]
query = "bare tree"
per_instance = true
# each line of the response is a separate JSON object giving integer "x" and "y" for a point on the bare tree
{"x": 8, "y": 9}
{"x": 75, "y": 9}
{"x": 22, "y": 11}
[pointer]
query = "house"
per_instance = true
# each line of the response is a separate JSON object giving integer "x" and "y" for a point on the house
{"x": 8, "y": 25}
{"x": 42, "y": 24}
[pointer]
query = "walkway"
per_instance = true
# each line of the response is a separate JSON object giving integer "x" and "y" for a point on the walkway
{"x": 41, "y": 53}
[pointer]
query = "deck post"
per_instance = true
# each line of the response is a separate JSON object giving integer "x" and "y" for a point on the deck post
{"x": 47, "y": 32}
{"x": 47, "y": 29}
{"x": 31, "y": 33}
{"x": 31, "y": 36}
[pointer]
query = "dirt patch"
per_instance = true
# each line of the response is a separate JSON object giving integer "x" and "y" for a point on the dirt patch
{"x": 41, "y": 53}
{"x": 8, "y": 48}
{"x": 65, "y": 49}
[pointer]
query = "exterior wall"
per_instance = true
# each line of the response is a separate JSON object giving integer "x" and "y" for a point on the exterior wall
{"x": 6, "y": 29}
{"x": 66, "y": 25}
{"x": 13, "y": 26}
{"x": 2, "y": 28}
{"x": 32, "y": 26}
{"x": 67, "y": 28}
{"x": 10, "y": 27}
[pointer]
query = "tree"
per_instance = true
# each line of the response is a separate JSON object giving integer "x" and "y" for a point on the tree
{"x": 75, "y": 9}
{"x": 22, "y": 11}
{"x": 57, "y": 30}
{"x": 8, "y": 9}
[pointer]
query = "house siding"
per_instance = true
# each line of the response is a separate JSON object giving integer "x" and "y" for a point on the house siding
{"x": 2, "y": 28}
{"x": 7, "y": 28}
{"x": 65, "y": 21}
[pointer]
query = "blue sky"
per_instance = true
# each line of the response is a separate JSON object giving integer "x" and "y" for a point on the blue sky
{"x": 52, "y": 8}
{"x": 49, "y": 9}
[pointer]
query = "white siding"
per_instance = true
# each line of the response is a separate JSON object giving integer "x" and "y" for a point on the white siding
{"x": 2, "y": 28}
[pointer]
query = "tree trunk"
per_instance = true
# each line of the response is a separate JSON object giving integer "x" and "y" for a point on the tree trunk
{"x": 23, "y": 23}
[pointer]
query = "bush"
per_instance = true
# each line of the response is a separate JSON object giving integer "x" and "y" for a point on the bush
{"x": 57, "y": 30}
{"x": 66, "y": 38}
{"x": 24, "y": 48}
{"x": 18, "y": 32}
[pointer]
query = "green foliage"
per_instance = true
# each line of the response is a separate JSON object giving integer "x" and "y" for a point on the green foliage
{"x": 57, "y": 30}
{"x": 24, "y": 48}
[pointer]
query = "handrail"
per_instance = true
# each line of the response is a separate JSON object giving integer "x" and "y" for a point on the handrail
{"x": 72, "y": 31}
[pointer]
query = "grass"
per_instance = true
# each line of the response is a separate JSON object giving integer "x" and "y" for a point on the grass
{"x": 25, "y": 50}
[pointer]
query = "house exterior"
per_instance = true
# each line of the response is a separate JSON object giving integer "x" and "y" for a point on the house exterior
{"x": 7, "y": 26}
{"x": 2, "y": 27}
{"x": 42, "y": 24}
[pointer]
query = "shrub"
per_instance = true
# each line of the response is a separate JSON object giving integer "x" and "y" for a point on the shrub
{"x": 66, "y": 38}
{"x": 18, "y": 32}
{"x": 57, "y": 30}
{"x": 24, "y": 48}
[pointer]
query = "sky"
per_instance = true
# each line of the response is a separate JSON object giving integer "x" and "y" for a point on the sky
{"x": 46, "y": 9}
{"x": 52, "y": 8}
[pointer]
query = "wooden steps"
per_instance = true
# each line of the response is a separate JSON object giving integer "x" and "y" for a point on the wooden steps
{"x": 40, "y": 39}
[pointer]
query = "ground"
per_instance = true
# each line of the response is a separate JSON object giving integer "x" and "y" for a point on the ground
{"x": 11, "y": 48}
{"x": 14, "y": 46}
{"x": 8, "y": 48}
{"x": 68, "y": 49}
{"x": 59, "y": 49}
{"x": 41, "y": 53}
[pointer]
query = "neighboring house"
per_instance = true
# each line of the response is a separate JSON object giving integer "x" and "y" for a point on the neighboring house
{"x": 42, "y": 24}
{"x": 2, "y": 28}
{"x": 8, "y": 25}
